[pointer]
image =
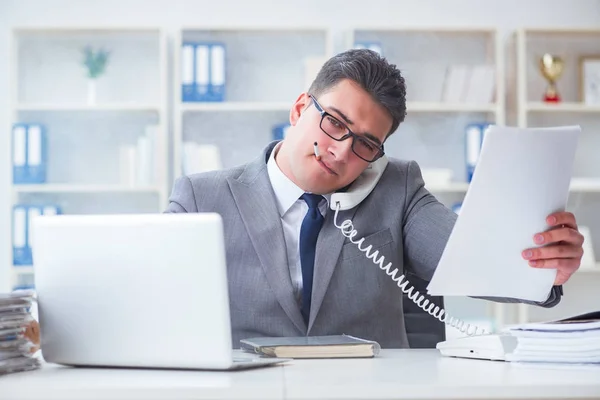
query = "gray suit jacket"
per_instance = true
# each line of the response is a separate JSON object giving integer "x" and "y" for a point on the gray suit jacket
{"x": 351, "y": 295}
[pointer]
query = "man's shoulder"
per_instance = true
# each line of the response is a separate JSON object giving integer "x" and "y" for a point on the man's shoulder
{"x": 401, "y": 177}
{"x": 217, "y": 176}
{"x": 400, "y": 165}
{"x": 403, "y": 169}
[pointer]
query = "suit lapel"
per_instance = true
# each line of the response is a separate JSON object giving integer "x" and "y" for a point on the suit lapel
{"x": 329, "y": 246}
{"x": 255, "y": 200}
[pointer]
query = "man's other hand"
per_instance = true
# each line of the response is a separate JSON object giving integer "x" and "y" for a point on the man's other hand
{"x": 561, "y": 247}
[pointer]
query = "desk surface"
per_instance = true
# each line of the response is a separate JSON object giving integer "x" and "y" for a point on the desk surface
{"x": 395, "y": 374}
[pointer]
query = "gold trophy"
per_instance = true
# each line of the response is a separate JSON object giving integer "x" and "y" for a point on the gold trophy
{"x": 551, "y": 68}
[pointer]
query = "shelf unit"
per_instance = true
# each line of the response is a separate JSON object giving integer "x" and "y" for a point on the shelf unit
{"x": 264, "y": 73}
{"x": 66, "y": 188}
{"x": 531, "y": 111}
{"x": 123, "y": 107}
{"x": 577, "y": 186}
{"x": 433, "y": 132}
{"x": 405, "y": 48}
{"x": 564, "y": 107}
{"x": 440, "y": 107}
{"x": 236, "y": 106}
{"x": 49, "y": 87}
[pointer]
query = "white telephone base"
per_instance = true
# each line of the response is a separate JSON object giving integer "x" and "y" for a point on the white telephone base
{"x": 483, "y": 347}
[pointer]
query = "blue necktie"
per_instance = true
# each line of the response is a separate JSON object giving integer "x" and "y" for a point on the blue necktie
{"x": 311, "y": 225}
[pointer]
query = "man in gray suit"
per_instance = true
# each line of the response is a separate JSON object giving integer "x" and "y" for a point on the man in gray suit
{"x": 291, "y": 270}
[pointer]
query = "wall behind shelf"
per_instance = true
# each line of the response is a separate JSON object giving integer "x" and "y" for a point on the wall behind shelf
{"x": 507, "y": 15}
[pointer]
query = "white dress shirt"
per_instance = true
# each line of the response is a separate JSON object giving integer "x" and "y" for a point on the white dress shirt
{"x": 292, "y": 210}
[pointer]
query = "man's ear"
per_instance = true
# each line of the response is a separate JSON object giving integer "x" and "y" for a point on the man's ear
{"x": 301, "y": 104}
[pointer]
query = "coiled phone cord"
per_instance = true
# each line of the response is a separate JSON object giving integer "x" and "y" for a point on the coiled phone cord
{"x": 347, "y": 229}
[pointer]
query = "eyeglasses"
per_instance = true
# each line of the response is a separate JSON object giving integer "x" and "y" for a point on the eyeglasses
{"x": 363, "y": 147}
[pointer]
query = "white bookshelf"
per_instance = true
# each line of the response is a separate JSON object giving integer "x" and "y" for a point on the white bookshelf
{"x": 441, "y": 107}
{"x": 428, "y": 52}
{"x": 236, "y": 106}
{"x": 66, "y": 188}
{"x": 591, "y": 185}
{"x": 49, "y": 87}
{"x": 264, "y": 75}
{"x": 123, "y": 107}
{"x": 532, "y": 111}
{"x": 564, "y": 107}
{"x": 433, "y": 132}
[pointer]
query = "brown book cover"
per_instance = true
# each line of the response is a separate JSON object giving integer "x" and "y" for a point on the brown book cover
{"x": 333, "y": 346}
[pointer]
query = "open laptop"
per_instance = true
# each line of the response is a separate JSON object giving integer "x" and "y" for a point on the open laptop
{"x": 135, "y": 290}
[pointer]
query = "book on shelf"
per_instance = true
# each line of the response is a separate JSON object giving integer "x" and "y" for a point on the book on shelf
{"x": 22, "y": 218}
{"x": 29, "y": 153}
{"x": 203, "y": 72}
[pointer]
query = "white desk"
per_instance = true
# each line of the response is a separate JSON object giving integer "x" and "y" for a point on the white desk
{"x": 424, "y": 374}
{"x": 65, "y": 383}
{"x": 395, "y": 374}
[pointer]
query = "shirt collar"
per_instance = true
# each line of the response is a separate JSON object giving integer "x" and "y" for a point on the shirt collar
{"x": 286, "y": 191}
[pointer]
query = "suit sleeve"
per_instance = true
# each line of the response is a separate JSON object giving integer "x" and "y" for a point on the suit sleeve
{"x": 427, "y": 227}
{"x": 182, "y": 199}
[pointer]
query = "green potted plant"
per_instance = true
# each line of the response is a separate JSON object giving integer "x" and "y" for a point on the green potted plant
{"x": 95, "y": 62}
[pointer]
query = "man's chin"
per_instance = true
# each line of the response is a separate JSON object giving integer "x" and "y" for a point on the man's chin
{"x": 322, "y": 183}
{"x": 324, "y": 189}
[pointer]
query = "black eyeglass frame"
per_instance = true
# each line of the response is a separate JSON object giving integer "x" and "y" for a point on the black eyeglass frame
{"x": 351, "y": 134}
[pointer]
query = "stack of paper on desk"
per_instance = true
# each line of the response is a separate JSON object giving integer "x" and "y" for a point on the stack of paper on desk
{"x": 334, "y": 346}
{"x": 15, "y": 348}
{"x": 572, "y": 340}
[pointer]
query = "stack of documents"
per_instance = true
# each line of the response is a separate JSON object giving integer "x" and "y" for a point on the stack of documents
{"x": 571, "y": 340}
{"x": 15, "y": 348}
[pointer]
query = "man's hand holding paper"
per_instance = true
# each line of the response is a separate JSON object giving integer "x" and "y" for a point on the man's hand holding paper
{"x": 560, "y": 248}
{"x": 513, "y": 238}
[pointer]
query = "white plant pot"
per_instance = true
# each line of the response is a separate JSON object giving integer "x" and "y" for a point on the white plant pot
{"x": 91, "y": 92}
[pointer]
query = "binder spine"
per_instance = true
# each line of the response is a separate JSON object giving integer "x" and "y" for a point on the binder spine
{"x": 19, "y": 153}
{"x": 217, "y": 72}
{"x": 21, "y": 256}
{"x": 32, "y": 213}
{"x": 474, "y": 134}
{"x": 188, "y": 82}
{"x": 22, "y": 232}
{"x": 202, "y": 72}
{"x": 36, "y": 154}
{"x": 279, "y": 131}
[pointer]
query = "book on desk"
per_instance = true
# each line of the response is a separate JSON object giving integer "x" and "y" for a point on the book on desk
{"x": 332, "y": 346}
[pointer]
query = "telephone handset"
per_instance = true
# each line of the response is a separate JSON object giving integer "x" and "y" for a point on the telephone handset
{"x": 357, "y": 192}
{"x": 361, "y": 187}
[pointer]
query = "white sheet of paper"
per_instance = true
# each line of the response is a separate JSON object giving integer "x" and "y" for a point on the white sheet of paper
{"x": 522, "y": 176}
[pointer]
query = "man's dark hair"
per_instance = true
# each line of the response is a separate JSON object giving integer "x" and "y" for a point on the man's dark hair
{"x": 373, "y": 73}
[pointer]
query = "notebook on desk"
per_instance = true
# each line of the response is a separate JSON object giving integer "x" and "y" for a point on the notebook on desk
{"x": 333, "y": 346}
